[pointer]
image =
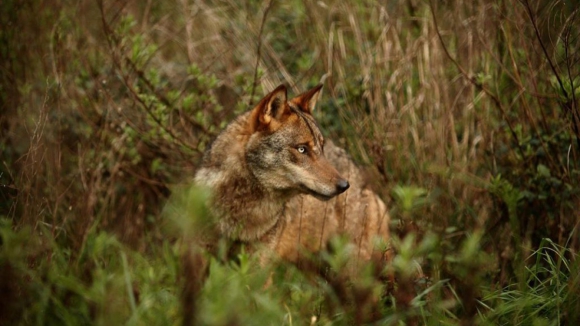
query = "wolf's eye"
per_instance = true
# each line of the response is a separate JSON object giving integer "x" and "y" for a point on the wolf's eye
{"x": 301, "y": 149}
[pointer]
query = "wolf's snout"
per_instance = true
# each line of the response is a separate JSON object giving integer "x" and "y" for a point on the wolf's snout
{"x": 342, "y": 185}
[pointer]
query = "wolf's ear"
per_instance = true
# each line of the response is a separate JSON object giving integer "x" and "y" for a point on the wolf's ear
{"x": 271, "y": 107}
{"x": 307, "y": 100}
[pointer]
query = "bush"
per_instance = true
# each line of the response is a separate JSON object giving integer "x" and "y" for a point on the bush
{"x": 465, "y": 116}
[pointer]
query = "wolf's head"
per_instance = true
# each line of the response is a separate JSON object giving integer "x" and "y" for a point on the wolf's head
{"x": 286, "y": 148}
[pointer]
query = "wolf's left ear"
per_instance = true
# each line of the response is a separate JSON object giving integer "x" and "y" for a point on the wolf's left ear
{"x": 271, "y": 108}
{"x": 307, "y": 100}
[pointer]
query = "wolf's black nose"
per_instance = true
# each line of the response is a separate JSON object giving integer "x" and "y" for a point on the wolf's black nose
{"x": 341, "y": 186}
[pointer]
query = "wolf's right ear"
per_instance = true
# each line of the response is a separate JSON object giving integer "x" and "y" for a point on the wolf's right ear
{"x": 271, "y": 108}
{"x": 307, "y": 100}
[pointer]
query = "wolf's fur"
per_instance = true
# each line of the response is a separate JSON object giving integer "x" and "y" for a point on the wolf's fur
{"x": 266, "y": 191}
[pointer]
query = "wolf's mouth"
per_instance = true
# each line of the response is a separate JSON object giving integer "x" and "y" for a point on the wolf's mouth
{"x": 321, "y": 196}
{"x": 318, "y": 195}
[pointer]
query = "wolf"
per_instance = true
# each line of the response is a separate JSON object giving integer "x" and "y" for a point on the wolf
{"x": 277, "y": 184}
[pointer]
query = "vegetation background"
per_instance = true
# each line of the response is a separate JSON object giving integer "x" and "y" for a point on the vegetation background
{"x": 465, "y": 114}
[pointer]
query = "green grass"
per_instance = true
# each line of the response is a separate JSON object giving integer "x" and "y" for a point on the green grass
{"x": 464, "y": 116}
{"x": 109, "y": 283}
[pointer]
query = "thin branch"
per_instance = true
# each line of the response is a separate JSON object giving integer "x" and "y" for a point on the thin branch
{"x": 259, "y": 50}
{"x": 536, "y": 30}
{"x": 573, "y": 113}
{"x": 573, "y": 107}
{"x": 112, "y": 40}
{"x": 473, "y": 81}
{"x": 164, "y": 100}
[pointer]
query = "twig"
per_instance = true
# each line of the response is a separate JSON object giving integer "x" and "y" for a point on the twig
{"x": 259, "y": 51}
{"x": 164, "y": 100}
{"x": 473, "y": 81}
{"x": 111, "y": 41}
{"x": 573, "y": 107}
{"x": 573, "y": 113}
{"x": 533, "y": 21}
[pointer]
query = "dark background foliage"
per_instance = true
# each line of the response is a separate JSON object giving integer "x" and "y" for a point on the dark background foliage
{"x": 464, "y": 114}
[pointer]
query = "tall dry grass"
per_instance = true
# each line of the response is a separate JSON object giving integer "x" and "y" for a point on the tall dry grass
{"x": 107, "y": 104}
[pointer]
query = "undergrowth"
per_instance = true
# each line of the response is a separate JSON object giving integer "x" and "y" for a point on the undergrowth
{"x": 464, "y": 115}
